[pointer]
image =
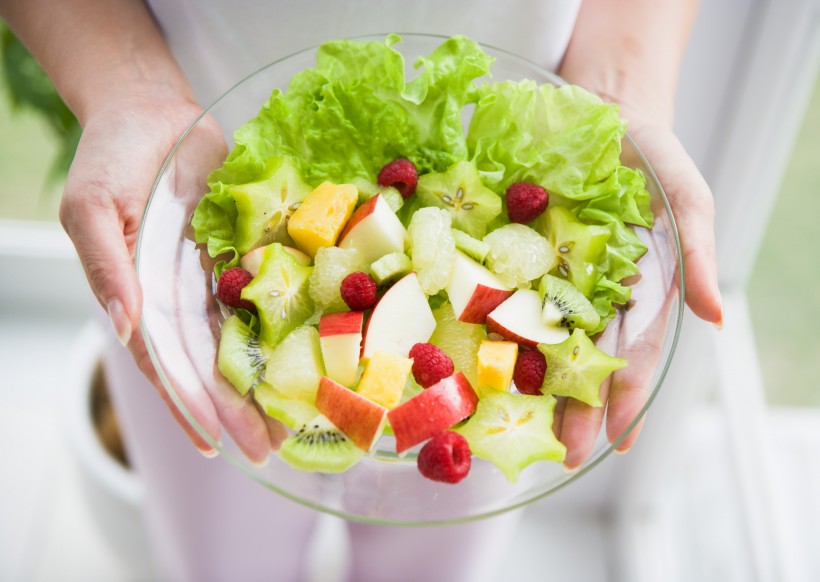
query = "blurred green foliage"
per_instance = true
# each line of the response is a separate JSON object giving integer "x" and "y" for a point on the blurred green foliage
{"x": 29, "y": 87}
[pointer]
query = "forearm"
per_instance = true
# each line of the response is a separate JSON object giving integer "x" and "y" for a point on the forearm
{"x": 97, "y": 51}
{"x": 629, "y": 51}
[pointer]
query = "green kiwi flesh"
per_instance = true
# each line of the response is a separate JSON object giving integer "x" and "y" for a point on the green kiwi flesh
{"x": 565, "y": 306}
{"x": 459, "y": 190}
{"x": 318, "y": 446}
{"x": 472, "y": 247}
{"x": 294, "y": 412}
{"x": 241, "y": 357}
{"x": 391, "y": 267}
{"x": 264, "y": 207}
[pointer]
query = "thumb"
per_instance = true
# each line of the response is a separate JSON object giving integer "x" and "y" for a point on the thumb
{"x": 99, "y": 234}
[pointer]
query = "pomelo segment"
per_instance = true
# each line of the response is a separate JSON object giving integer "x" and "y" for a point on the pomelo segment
{"x": 432, "y": 248}
{"x": 459, "y": 340}
{"x": 513, "y": 431}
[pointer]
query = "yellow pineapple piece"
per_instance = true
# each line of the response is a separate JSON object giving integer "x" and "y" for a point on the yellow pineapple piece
{"x": 322, "y": 216}
{"x": 384, "y": 377}
{"x": 496, "y": 363}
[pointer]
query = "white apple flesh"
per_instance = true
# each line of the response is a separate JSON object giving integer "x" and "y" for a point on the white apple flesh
{"x": 340, "y": 336}
{"x": 433, "y": 411}
{"x": 374, "y": 230}
{"x": 519, "y": 320}
{"x": 474, "y": 291}
{"x": 400, "y": 320}
{"x": 360, "y": 419}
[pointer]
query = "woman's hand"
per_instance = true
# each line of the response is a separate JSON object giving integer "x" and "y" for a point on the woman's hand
{"x": 629, "y": 53}
{"x": 121, "y": 151}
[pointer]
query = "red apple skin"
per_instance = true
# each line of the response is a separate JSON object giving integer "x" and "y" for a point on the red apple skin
{"x": 433, "y": 411}
{"x": 482, "y": 302}
{"x": 494, "y": 327}
{"x": 360, "y": 419}
{"x": 360, "y": 214}
{"x": 346, "y": 322}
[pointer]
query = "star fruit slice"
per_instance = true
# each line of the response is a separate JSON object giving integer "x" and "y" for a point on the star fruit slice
{"x": 576, "y": 368}
{"x": 512, "y": 431}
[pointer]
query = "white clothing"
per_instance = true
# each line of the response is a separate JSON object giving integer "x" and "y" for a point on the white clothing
{"x": 219, "y": 42}
{"x": 205, "y": 519}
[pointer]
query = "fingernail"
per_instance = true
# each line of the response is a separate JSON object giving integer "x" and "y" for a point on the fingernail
{"x": 119, "y": 321}
{"x": 262, "y": 463}
{"x": 622, "y": 451}
{"x": 571, "y": 470}
{"x": 208, "y": 453}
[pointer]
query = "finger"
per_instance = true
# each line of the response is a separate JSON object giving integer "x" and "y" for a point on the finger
{"x": 582, "y": 423}
{"x": 198, "y": 408}
{"x": 179, "y": 376}
{"x": 693, "y": 208}
{"x": 558, "y": 416}
{"x": 641, "y": 340}
{"x": 277, "y": 431}
{"x": 93, "y": 222}
{"x": 242, "y": 420}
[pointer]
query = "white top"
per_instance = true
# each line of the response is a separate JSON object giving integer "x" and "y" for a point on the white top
{"x": 219, "y": 42}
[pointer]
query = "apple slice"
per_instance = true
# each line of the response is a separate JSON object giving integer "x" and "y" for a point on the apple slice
{"x": 360, "y": 419}
{"x": 374, "y": 229}
{"x": 519, "y": 320}
{"x": 340, "y": 335}
{"x": 474, "y": 291}
{"x": 400, "y": 320}
{"x": 433, "y": 411}
{"x": 251, "y": 261}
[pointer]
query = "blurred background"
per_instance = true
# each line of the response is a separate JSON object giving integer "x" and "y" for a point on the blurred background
{"x": 728, "y": 492}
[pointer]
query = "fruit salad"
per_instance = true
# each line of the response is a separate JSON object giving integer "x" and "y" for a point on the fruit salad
{"x": 394, "y": 280}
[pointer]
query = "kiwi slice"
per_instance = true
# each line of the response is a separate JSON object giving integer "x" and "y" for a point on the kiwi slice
{"x": 578, "y": 247}
{"x": 472, "y": 247}
{"x": 294, "y": 412}
{"x": 459, "y": 190}
{"x": 565, "y": 306}
{"x": 513, "y": 431}
{"x": 318, "y": 446}
{"x": 391, "y": 267}
{"x": 280, "y": 293}
{"x": 264, "y": 207}
{"x": 576, "y": 368}
{"x": 241, "y": 358}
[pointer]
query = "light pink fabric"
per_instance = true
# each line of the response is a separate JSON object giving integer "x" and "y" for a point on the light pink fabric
{"x": 205, "y": 519}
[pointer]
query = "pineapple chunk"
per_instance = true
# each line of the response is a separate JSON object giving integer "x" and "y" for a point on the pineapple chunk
{"x": 496, "y": 363}
{"x": 384, "y": 377}
{"x": 322, "y": 216}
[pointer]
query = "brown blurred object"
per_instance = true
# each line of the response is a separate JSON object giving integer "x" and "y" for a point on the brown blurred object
{"x": 105, "y": 420}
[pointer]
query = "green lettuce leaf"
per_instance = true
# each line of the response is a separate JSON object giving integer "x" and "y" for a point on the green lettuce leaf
{"x": 559, "y": 137}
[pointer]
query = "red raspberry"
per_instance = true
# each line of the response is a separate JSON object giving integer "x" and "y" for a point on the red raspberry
{"x": 402, "y": 175}
{"x": 526, "y": 202}
{"x": 430, "y": 364}
{"x": 528, "y": 375}
{"x": 229, "y": 288}
{"x": 359, "y": 291}
{"x": 445, "y": 458}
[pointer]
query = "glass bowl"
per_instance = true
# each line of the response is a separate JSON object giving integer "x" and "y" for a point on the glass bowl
{"x": 181, "y": 320}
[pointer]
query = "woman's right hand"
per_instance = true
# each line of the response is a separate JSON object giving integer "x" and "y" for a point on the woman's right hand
{"x": 120, "y": 153}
